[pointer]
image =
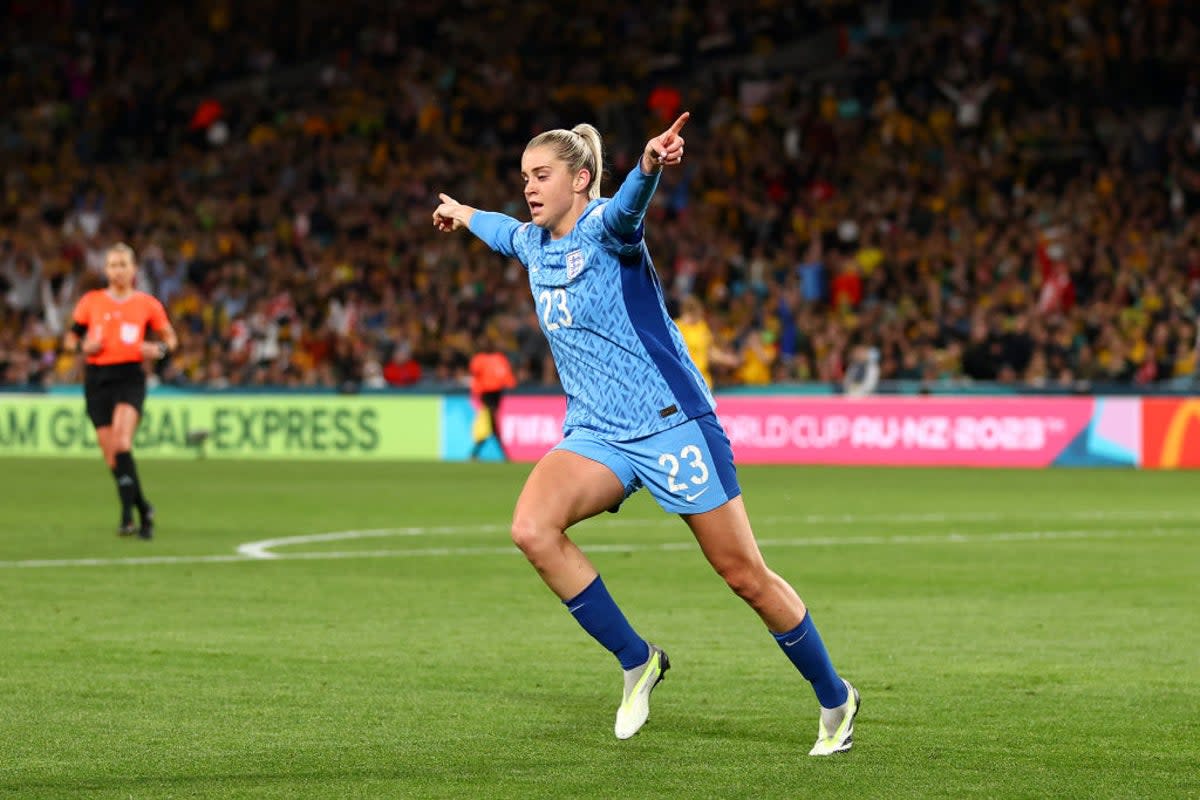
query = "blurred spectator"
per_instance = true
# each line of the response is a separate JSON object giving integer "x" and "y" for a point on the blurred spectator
{"x": 758, "y": 353}
{"x": 862, "y": 373}
{"x": 401, "y": 369}
{"x": 699, "y": 339}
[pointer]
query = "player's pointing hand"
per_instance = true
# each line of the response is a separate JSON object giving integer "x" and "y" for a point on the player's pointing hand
{"x": 666, "y": 149}
{"x": 451, "y": 214}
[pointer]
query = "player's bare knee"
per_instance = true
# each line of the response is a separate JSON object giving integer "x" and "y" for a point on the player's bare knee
{"x": 532, "y": 535}
{"x": 746, "y": 581}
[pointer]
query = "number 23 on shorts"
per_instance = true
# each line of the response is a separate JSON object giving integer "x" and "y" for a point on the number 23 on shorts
{"x": 690, "y": 456}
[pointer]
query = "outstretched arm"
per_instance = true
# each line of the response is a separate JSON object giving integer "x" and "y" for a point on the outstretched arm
{"x": 625, "y": 212}
{"x": 494, "y": 229}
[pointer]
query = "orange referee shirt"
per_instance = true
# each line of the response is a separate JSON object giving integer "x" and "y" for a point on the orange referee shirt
{"x": 490, "y": 372}
{"x": 119, "y": 324}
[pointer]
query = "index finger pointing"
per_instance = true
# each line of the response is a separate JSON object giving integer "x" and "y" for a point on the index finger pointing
{"x": 677, "y": 126}
{"x": 445, "y": 198}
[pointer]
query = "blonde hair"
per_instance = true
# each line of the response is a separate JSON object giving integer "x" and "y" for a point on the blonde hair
{"x": 579, "y": 147}
{"x": 121, "y": 247}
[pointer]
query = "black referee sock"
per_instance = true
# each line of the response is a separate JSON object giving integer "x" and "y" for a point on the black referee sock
{"x": 140, "y": 500}
{"x": 128, "y": 486}
{"x": 123, "y": 483}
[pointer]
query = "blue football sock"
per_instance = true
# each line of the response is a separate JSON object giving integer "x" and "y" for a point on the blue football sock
{"x": 804, "y": 647}
{"x": 596, "y": 611}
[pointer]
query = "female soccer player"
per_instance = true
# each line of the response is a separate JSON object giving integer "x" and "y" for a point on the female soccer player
{"x": 638, "y": 413}
{"x": 113, "y": 323}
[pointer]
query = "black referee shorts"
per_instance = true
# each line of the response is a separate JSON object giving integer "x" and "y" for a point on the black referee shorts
{"x": 491, "y": 401}
{"x": 105, "y": 386}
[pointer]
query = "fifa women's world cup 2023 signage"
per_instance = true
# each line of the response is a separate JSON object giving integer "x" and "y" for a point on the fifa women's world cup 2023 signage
{"x": 947, "y": 431}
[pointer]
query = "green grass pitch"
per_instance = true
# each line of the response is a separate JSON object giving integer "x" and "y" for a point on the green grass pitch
{"x": 1013, "y": 634}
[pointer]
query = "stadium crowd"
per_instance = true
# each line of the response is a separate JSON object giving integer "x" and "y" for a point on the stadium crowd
{"x": 979, "y": 191}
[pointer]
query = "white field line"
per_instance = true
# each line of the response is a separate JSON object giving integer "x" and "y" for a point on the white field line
{"x": 264, "y": 549}
{"x": 956, "y": 537}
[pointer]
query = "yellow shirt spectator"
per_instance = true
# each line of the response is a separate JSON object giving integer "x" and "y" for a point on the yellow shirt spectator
{"x": 698, "y": 338}
{"x": 758, "y": 356}
{"x": 701, "y": 343}
{"x": 696, "y": 335}
{"x": 1185, "y": 361}
{"x": 869, "y": 258}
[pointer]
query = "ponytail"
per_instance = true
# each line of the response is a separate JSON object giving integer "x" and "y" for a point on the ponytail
{"x": 595, "y": 149}
{"x": 580, "y": 148}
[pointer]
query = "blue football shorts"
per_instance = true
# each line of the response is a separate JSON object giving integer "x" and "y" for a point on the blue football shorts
{"x": 688, "y": 469}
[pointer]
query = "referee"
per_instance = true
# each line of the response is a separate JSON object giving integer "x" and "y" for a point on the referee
{"x": 110, "y": 329}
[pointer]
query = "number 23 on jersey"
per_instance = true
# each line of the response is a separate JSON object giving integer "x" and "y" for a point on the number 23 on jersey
{"x": 555, "y": 311}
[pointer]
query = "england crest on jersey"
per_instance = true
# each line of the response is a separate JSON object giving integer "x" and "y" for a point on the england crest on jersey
{"x": 574, "y": 264}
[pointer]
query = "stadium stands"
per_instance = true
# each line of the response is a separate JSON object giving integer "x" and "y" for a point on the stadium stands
{"x": 998, "y": 192}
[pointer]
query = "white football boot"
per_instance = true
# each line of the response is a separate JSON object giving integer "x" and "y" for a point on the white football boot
{"x": 639, "y": 683}
{"x": 840, "y": 721}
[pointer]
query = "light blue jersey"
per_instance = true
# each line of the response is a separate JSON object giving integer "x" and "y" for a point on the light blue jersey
{"x": 621, "y": 359}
